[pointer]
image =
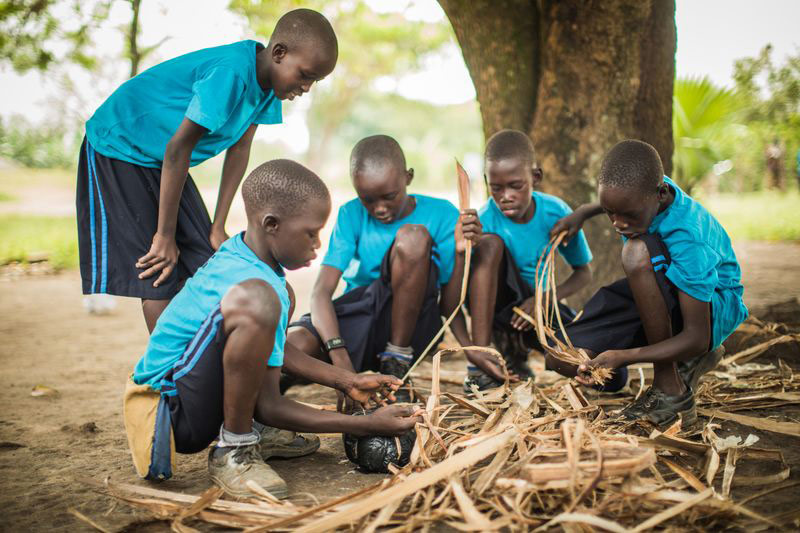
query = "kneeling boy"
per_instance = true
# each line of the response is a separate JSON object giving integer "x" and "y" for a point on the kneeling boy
{"x": 395, "y": 251}
{"x": 216, "y": 353}
{"x": 516, "y": 224}
{"x": 681, "y": 295}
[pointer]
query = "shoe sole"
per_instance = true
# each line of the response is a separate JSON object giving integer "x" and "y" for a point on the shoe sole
{"x": 279, "y": 491}
{"x": 287, "y": 452}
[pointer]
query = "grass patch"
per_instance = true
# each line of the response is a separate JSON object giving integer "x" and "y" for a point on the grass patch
{"x": 29, "y": 236}
{"x": 5, "y": 197}
{"x": 758, "y": 216}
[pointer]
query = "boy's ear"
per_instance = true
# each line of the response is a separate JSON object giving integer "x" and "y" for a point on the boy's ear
{"x": 537, "y": 174}
{"x": 270, "y": 222}
{"x": 409, "y": 176}
{"x": 279, "y": 52}
{"x": 663, "y": 192}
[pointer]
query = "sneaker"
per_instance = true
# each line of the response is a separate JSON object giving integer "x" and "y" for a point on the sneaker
{"x": 482, "y": 381}
{"x": 514, "y": 351}
{"x": 284, "y": 443}
{"x": 662, "y": 410}
{"x": 232, "y": 467}
{"x": 394, "y": 367}
{"x": 692, "y": 370}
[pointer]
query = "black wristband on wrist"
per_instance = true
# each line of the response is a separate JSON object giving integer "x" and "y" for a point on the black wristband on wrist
{"x": 334, "y": 343}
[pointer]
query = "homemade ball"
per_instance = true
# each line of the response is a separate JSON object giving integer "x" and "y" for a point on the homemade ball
{"x": 375, "y": 454}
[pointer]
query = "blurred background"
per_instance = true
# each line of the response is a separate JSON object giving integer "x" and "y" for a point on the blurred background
{"x": 736, "y": 112}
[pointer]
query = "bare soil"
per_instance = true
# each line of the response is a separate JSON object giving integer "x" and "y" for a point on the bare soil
{"x": 49, "y": 444}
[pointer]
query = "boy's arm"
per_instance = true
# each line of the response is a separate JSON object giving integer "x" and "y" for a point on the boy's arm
{"x": 278, "y": 411}
{"x": 360, "y": 387}
{"x": 580, "y": 277}
{"x": 323, "y": 317}
{"x": 693, "y": 340}
{"x": 573, "y": 222}
{"x": 236, "y": 159}
{"x": 163, "y": 254}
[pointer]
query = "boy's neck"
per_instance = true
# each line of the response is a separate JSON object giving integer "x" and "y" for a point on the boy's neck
{"x": 262, "y": 69}
{"x": 261, "y": 251}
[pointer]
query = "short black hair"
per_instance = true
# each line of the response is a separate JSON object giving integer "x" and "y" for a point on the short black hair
{"x": 301, "y": 27}
{"x": 281, "y": 186}
{"x": 507, "y": 144}
{"x": 376, "y": 150}
{"x": 632, "y": 164}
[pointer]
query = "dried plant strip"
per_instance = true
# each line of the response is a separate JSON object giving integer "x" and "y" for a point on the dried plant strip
{"x": 687, "y": 476}
{"x": 786, "y": 428}
{"x": 754, "y": 351}
{"x": 673, "y": 511}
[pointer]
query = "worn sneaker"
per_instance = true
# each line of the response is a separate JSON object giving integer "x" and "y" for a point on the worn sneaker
{"x": 284, "y": 443}
{"x": 232, "y": 467}
{"x": 692, "y": 370}
{"x": 512, "y": 347}
{"x": 391, "y": 366}
{"x": 482, "y": 381}
{"x": 662, "y": 410}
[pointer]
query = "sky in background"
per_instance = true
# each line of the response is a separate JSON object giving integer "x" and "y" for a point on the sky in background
{"x": 711, "y": 35}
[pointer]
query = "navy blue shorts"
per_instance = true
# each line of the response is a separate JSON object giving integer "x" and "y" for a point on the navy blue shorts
{"x": 365, "y": 317}
{"x": 610, "y": 319}
{"x": 512, "y": 290}
{"x": 117, "y": 207}
{"x": 194, "y": 388}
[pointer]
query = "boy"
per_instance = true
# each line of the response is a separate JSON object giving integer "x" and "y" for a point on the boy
{"x": 139, "y": 213}
{"x": 214, "y": 358}
{"x": 394, "y": 251}
{"x": 516, "y": 224}
{"x": 681, "y": 295}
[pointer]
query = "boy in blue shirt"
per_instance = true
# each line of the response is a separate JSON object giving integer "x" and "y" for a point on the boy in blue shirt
{"x": 395, "y": 251}
{"x": 214, "y": 358}
{"x": 515, "y": 224}
{"x": 140, "y": 215}
{"x": 681, "y": 295}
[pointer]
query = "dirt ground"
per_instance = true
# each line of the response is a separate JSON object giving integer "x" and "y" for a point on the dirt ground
{"x": 50, "y": 444}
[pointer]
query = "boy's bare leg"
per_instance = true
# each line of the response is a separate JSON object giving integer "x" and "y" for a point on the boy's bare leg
{"x": 152, "y": 309}
{"x": 486, "y": 261}
{"x": 656, "y": 320}
{"x": 410, "y": 263}
{"x": 305, "y": 341}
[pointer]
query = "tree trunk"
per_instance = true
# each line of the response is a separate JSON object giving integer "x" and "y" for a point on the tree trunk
{"x": 133, "y": 35}
{"x": 578, "y": 76}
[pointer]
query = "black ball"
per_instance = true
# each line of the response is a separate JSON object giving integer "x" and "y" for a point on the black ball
{"x": 375, "y": 453}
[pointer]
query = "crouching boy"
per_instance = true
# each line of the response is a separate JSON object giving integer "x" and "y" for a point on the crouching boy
{"x": 213, "y": 363}
{"x": 681, "y": 295}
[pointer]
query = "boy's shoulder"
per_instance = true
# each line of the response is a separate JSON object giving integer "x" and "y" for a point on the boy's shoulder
{"x": 551, "y": 203}
{"x": 434, "y": 203}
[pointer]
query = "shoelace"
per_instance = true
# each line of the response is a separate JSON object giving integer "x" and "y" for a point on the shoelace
{"x": 245, "y": 454}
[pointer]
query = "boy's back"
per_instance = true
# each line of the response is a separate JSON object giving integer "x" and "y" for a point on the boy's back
{"x": 216, "y": 88}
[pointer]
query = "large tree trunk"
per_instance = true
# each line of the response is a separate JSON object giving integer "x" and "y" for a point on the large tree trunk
{"x": 578, "y": 76}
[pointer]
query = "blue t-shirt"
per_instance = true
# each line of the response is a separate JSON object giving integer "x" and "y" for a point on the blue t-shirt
{"x": 215, "y": 87}
{"x": 528, "y": 241}
{"x": 702, "y": 264}
{"x": 185, "y": 324}
{"x": 359, "y": 241}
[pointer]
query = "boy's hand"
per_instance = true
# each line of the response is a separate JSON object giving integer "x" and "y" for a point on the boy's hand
{"x": 393, "y": 420}
{"x": 217, "y": 237}
{"x": 610, "y": 359}
{"x": 490, "y": 366}
{"x": 571, "y": 224}
{"x": 468, "y": 228}
{"x": 372, "y": 387}
{"x": 519, "y": 323}
{"x": 162, "y": 257}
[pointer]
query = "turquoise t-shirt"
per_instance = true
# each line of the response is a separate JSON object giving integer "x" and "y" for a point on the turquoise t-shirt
{"x": 190, "y": 320}
{"x": 215, "y": 87}
{"x": 703, "y": 264}
{"x": 527, "y": 242}
{"x": 359, "y": 242}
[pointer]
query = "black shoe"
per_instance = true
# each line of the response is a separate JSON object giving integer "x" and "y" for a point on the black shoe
{"x": 692, "y": 370}
{"x": 662, "y": 410}
{"x": 397, "y": 368}
{"x": 482, "y": 381}
{"x": 514, "y": 351}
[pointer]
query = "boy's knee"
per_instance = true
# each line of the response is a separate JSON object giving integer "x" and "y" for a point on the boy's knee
{"x": 251, "y": 304}
{"x": 490, "y": 246}
{"x": 412, "y": 242}
{"x": 635, "y": 257}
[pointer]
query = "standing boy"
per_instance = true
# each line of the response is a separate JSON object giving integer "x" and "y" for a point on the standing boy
{"x": 395, "y": 251}
{"x": 516, "y": 224}
{"x": 681, "y": 295}
{"x": 140, "y": 215}
{"x": 214, "y": 359}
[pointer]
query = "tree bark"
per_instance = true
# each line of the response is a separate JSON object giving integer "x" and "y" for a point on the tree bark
{"x": 578, "y": 76}
{"x": 133, "y": 36}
